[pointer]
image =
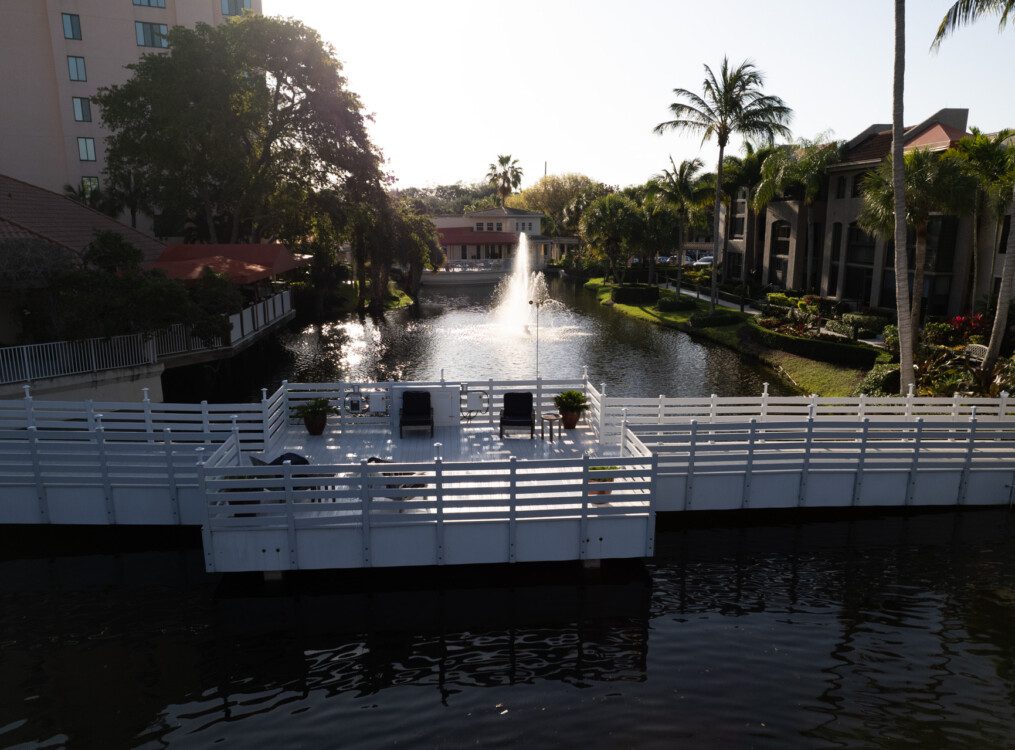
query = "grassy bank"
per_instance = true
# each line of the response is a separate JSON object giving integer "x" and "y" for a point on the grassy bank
{"x": 804, "y": 374}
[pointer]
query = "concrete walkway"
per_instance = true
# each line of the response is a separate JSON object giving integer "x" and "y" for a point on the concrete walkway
{"x": 705, "y": 298}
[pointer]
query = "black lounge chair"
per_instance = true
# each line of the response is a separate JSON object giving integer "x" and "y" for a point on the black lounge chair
{"x": 518, "y": 412}
{"x": 416, "y": 411}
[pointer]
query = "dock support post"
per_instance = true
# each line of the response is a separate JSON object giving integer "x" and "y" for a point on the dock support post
{"x": 650, "y": 526}
{"x": 968, "y": 462}
{"x": 583, "y": 525}
{"x": 107, "y": 490}
{"x": 745, "y": 499}
{"x": 806, "y": 467}
{"x": 206, "y": 539}
{"x": 689, "y": 479}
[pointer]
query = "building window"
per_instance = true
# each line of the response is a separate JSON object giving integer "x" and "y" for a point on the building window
{"x": 151, "y": 3}
{"x": 479, "y": 226}
{"x": 151, "y": 34}
{"x": 489, "y": 226}
{"x": 234, "y": 7}
{"x": 859, "y": 246}
{"x": 465, "y": 252}
{"x": 499, "y": 226}
{"x": 86, "y": 149}
{"x": 76, "y": 68}
{"x": 780, "y": 238}
{"x": 71, "y": 25}
{"x": 1005, "y": 231}
{"x": 833, "y": 268}
{"x": 530, "y": 226}
{"x": 89, "y": 185}
{"x": 858, "y": 185}
{"x": 82, "y": 109}
{"x": 840, "y": 186}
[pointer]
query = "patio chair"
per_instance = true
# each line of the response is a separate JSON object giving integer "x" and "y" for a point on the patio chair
{"x": 416, "y": 411}
{"x": 518, "y": 412}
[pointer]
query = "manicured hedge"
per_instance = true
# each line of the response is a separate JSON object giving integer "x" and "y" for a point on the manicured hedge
{"x": 865, "y": 326}
{"x": 882, "y": 380}
{"x": 635, "y": 294}
{"x": 836, "y": 352}
{"x": 781, "y": 300}
{"x": 675, "y": 304}
{"x": 711, "y": 320}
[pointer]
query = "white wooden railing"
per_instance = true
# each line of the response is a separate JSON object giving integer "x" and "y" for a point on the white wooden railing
{"x": 364, "y": 498}
{"x": 60, "y": 358}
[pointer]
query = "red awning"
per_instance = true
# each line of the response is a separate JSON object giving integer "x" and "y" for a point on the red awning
{"x": 469, "y": 236}
{"x": 241, "y": 264}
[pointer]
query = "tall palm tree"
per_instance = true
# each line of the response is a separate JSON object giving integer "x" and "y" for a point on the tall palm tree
{"x": 750, "y": 175}
{"x": 804, "y": 165}
{"x": 682, "y": 186}
{"x": 732, "y": 103}
{"x": 505, "y": 175}
{"x": 907, "y": 373}
{"x": 987, "y": 158}
{"x": 933, "y": 184}
{"x": 964, "y": 12}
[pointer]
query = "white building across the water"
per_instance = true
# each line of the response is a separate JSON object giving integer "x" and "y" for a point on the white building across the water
{"x": 487, "y": 240}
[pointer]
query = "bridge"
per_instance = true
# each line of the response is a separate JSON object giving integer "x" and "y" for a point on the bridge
{"x": 369, "y": 498}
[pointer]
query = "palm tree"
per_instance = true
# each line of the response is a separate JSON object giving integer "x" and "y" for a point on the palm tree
{"x": 988, "y": 161}
{"x": 749, "y": 178}
{"x": 933, "y": 184}
{"x": 967, "y": 11}
{"x": 609, "y": 223}
{"x": 907, "y": 373}
{"x": 682, "y": 187}
{"x": 731, "y": 104}
{"x": 805, "y": 166}
{"x": 505, "y": 175}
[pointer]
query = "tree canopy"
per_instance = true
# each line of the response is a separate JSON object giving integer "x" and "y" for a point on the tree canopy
{"x": 236, "y": 127}
{"x": 561, "y": 198}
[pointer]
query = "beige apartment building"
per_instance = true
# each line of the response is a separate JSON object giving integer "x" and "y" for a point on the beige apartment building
{"x": 55, "y": 54}
{"x": 844, "y": 262}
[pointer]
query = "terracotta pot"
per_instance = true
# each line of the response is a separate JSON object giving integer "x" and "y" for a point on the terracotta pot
{"x": 570, "y": 419}
{"x": 315, "y": 423}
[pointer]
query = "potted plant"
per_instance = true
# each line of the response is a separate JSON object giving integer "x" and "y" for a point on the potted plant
{"x": 570, "y": 404}
{"x": 315, "y": 414}
{"x": 594, "y": 480}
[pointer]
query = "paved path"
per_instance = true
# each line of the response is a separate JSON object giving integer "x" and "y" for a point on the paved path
{"x": 705, "y": 297}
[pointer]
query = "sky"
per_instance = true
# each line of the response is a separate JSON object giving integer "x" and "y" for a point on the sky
{"x": 578, "y": 86}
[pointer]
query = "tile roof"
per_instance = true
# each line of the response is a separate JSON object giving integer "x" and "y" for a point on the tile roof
{"x": 469, "y": 236}
{"x": 242, "y": 264}
{"x": 503, "y": 211}
{"x": 61, "y": 220}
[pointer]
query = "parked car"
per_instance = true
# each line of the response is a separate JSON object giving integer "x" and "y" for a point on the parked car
{"x": 703, "y": 261}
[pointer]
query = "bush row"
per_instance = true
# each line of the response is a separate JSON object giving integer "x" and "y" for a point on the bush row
{"x": 675, "y": 304}
{"x": 836, "y": 352}
{"x": 635, "y": 294}
{"x": 713, "y": 319}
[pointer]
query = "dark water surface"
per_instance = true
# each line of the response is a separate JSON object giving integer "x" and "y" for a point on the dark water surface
{"x": 462, "y": 332}
{"x": 881, "y": 631}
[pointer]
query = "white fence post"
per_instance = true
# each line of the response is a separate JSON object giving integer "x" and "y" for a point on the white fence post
{"x": 623, "y": 432}
{"x": 909, "y": 401}
{"x": 438, "y": 474}
{"x": 689, "y": 479}
{"x": 583, "y": 525}
{"x": 107, "y": 490}
{"x": 662, "y": 409}
{"x": 861, "y": 410}
{"x": 858, "y": 476}
{"x": 512, "y": 507}
{"x": 29, "y": 407}
{"x": 539, "y": 394}
{"x": 206, "y": 537}
{"x": 147, "y": 403}
{"x": 265, "y": 419}
{"x": 968, "y": 461}
{"x": 955, "y": 405}
{"x": 40, "y": 484}
{"x": 489, "y": 399}
{"x": 364, "y": 494}
{"x": 290, "y": 518}
{"x": 205, "y": 422}
{"x": 712, "y": 407}
{"x": 602, "y": 410}
{"x": 745, "y": 498}
{"x": 1002, "y": 405}
{"x": 174, "y": 493}
{"x": 764, "y": 401}
{"x": 914, "y": 462}
{"x": 805, "y": 468}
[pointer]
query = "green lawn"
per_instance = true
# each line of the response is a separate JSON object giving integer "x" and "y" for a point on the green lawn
{"x": 805, "y": 375}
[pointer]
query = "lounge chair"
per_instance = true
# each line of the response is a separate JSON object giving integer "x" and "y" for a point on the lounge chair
{"x": 518, "y": 412}
{"x": 416, "y": 411}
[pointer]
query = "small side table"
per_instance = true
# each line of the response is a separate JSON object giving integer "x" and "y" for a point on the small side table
{"x": 552, "y": 419}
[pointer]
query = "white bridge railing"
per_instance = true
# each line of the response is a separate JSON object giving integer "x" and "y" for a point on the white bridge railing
{"x": 60, "y": 358}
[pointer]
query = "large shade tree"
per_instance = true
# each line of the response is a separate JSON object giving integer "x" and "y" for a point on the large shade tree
{"x": 505, "y": 175}
{"x": 236, "y": 126}
{"x": 553, "y": 195}
{"x": 608, "y": 226}
{"x": 732, "y": 103}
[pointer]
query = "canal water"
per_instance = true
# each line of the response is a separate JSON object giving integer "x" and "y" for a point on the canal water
{"x": 880, "y": 631}
{"x": 465, "y": 334}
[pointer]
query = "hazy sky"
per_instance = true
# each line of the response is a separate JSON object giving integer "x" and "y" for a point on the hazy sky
{"x": 581, "y": 84}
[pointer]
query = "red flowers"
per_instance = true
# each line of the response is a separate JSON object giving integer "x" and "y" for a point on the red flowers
{"x": 968, "y": 325}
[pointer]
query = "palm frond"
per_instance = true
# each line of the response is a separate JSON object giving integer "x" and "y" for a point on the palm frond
{"x": 964, "y": 12}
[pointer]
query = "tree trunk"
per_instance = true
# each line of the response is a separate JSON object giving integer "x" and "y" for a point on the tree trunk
{"x": 750, "y": 224}
{"x": 919, "y": 266}
{"x": 808, "y": 270}
{"x": 716, "y": 239}
{"x": 993, "y": 260}
{"x": 680, "y": 257}
{"x": 209, "y": 217}
{"x": 976, "y": 239}
{"x": 906, "y": 373}
{"x": 1003, "y": 299}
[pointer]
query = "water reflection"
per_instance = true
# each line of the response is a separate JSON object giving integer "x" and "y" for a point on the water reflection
{"x": 880, "y": 631}
{"x": 459, "y": 332}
